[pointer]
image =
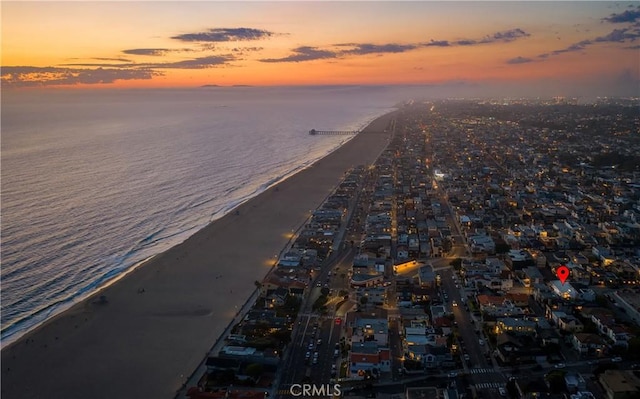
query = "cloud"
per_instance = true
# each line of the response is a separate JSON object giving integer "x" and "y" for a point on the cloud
{"x": 507, "y": 36}
{"x": 224, "y": 35}
{"x": 368, "y": 48}
{"x": 616, "y": 36}
{"x": 627, "y": 16}
{"x": 195, "y": 63}
{"x": 308, "y": 53}
{"x": 437, "y": 43}
{"x": 99, "y": 65}
{"x": 29, "y": 76}
{"x": 519, "y": 60}
{"x": 147, "y": 51}
{"x": 156, "y": 52}
{"x": 466, "y": 42}
{"x": 619, "y": 36}
{"x": 244, "y": 49}
{"x": 572, "y": 48}
{"x": 304, "y": 53}
{"x": 503, "y": 36}
{"x": 121, "y": 62}
{"x": 111, "y": 59}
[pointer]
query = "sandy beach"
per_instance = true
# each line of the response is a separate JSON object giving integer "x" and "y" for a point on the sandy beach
{"x": 161, "y": 319}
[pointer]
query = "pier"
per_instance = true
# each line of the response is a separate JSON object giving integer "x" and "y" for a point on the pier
{"x": 315, "y": 132}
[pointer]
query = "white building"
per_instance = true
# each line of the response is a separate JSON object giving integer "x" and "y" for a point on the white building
{"x": 564, "y": 291}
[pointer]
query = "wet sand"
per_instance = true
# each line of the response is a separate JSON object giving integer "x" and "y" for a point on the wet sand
{"x": 160, "y": 320}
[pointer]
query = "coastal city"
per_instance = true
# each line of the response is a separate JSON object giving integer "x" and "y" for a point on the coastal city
{"x": 433, "y": 273}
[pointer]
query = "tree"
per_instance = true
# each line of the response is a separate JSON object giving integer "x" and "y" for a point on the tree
{"x": 634, "y": 348}
{"x": 556, "y": 381}
{"x": 292, "y": 303}
{"x": 254, "y": 370}
{"x": 283, "y": 336}
{"x": 450, "y": 340}
{"x": 502, "y": 248}
{"x": 601, "y": 300}
{"x": 456, "y": 263}
{"x": 320, "y": 302}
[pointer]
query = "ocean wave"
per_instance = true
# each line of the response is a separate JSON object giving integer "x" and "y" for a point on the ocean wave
{"x": 119, "y": 211}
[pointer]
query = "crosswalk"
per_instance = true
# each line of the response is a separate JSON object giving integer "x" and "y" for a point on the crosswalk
{"x": 488, "y": 385}
{"x": 481, "y": 371}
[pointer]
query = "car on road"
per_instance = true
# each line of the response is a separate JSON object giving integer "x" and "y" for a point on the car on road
{"x": 560, "y": 366}
{"x": 481, "y": 341}
{"x": 454, "y": 303}
{"x": 307, "y": 355}
{"x": 453, "y": 374}
{"x": 466, "y": 357}
{"x": 310, "y": 347}
{"x": 338, "y": 320}
{"x": 502, "y": 391}
{"x": 616, "y": 359}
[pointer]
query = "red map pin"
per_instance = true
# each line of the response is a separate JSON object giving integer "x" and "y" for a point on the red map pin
{"x": 563, "y": 273}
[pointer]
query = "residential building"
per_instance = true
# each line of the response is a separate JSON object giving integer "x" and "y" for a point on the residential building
{"x": 588, "y": 344}
{"x": 367, "y": 356}
{"x": 620, "y": 384}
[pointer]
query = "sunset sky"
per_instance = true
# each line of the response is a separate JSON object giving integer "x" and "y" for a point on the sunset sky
{"x": 189, "y": 44}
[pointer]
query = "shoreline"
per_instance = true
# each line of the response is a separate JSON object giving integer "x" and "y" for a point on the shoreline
{"x": 15, "y": 332}
{"x": 160, "y": 318}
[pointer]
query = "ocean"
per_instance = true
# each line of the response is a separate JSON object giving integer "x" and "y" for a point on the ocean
{"x": 96, "y": 181}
